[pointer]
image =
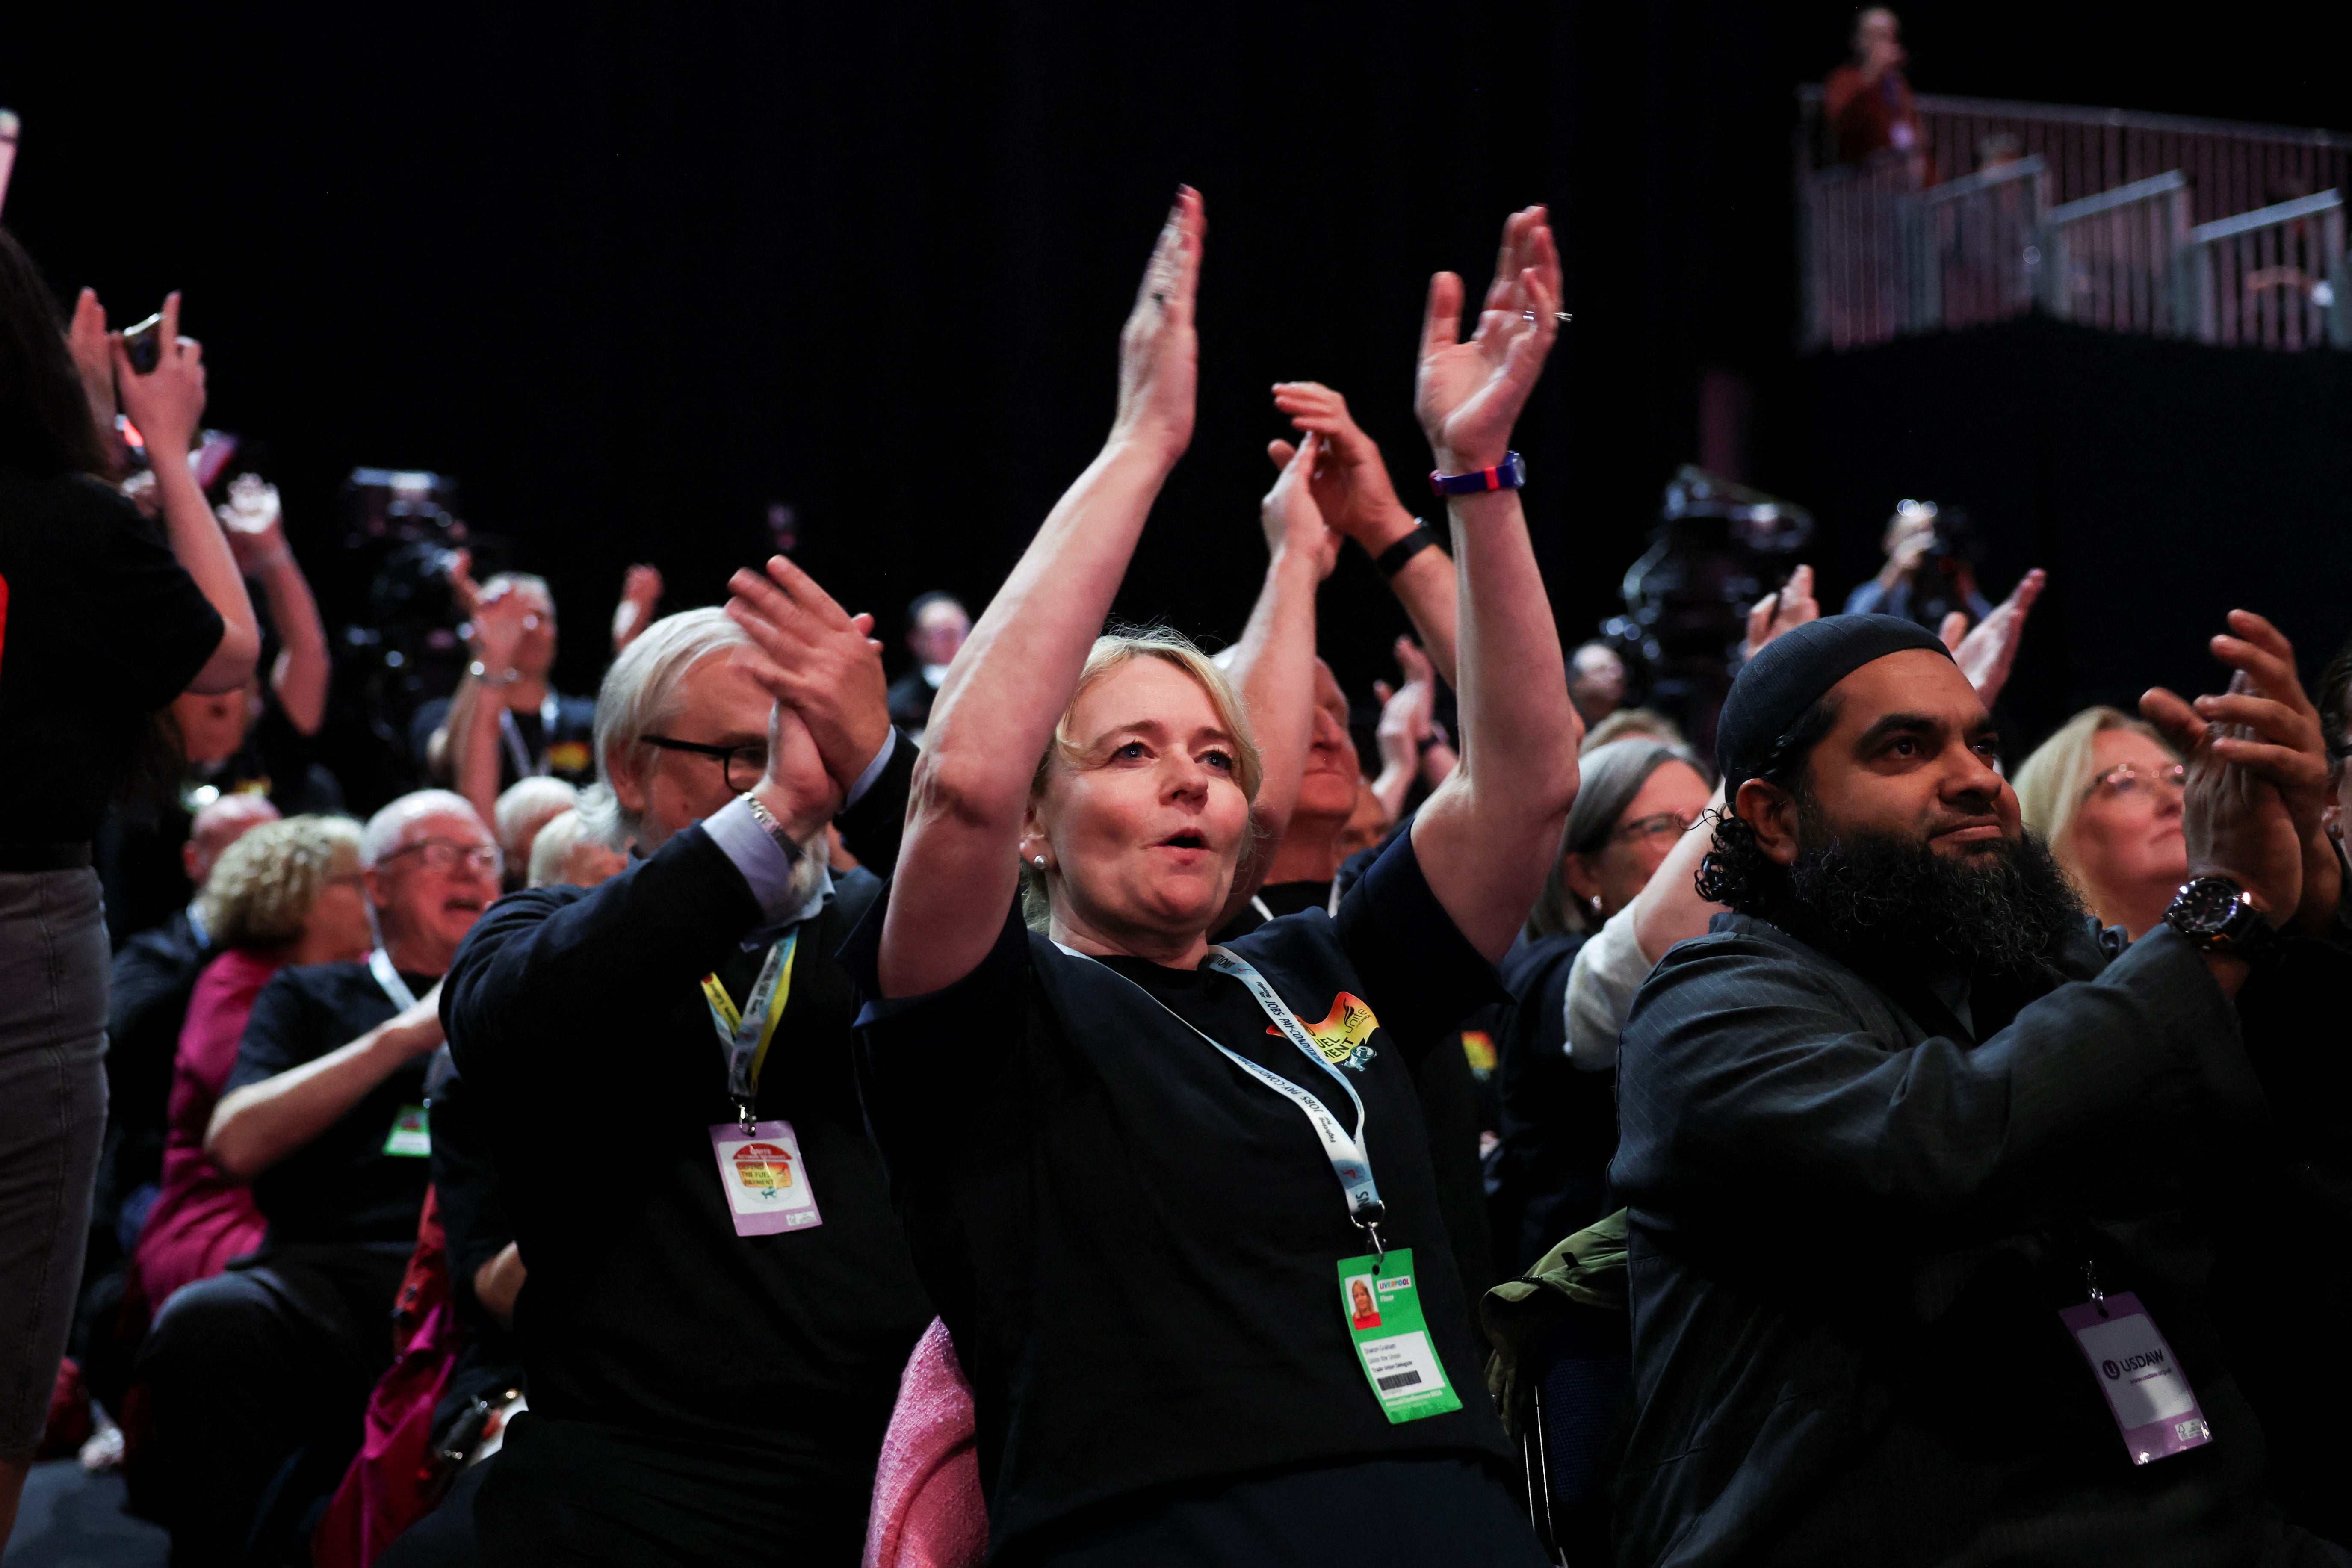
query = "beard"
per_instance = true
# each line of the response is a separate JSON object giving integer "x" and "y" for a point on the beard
{"x": 1883, "y": 897}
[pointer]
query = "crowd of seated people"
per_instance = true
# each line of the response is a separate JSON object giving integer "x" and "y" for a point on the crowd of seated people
{"x": 1071, "y": 1106}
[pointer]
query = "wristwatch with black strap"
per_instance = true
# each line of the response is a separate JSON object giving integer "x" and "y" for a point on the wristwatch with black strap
{"x": 2214, "y": 913}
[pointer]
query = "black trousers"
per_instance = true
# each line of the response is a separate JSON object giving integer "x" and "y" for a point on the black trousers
{"x": 580, "y": 1494}
{"x": 256, "y": 1384}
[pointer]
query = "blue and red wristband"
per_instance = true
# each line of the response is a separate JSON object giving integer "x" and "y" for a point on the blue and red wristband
{"x": 1508, "y": 474}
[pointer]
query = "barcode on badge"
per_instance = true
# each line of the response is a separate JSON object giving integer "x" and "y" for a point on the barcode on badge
{"x": 1399, "y": 1379}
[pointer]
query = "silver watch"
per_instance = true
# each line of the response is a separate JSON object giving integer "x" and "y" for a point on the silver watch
{"x": 774, "y": 829}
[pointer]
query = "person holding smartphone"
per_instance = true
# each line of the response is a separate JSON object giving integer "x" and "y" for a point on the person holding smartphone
{"x": 104, "y": 618}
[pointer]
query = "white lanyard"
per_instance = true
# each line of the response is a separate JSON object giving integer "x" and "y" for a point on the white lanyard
{"x": 550, "y": 710}
{"x": 1351, "y": 1162}
{"x": 380, "y": 965}
{"x": 745, "y": 1035}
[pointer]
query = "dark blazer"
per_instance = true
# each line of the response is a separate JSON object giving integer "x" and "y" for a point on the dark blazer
{"x": 577, "y": 1019}
{"x": 1852, "y": 1224}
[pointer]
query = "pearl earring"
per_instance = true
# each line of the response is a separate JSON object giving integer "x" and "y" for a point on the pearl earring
{"x": 1039, "y": 862}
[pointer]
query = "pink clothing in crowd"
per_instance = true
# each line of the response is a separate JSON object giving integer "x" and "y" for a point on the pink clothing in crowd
{"x": 927, "y": 1508}
{"x": 202, "y": 1220}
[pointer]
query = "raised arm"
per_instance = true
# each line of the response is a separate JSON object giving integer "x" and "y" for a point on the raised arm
{"x": 474, "y": 746}
{"x": 1274, "y": 663}
{"x": 996, "y": 710}
{"x": 256, "y": 527}
{"x": 1486, "y": 838}
{"x": 1405, "y": 723}
{"x": 166, "y": 404}
{"x": 1351, "y": 486}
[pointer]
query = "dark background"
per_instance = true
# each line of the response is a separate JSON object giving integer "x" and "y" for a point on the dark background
{"x": 635, "y": 273}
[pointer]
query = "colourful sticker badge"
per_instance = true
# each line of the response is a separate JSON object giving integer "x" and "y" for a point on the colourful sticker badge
{"x": 411, "y": 1136}
{"x": 764, "y": 1177}
{"x": 1340, "y": 1036}
{"x": 1382, "y": 1305}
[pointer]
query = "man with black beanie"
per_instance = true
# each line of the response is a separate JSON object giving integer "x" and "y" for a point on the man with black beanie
{"x": 1918, "y": 1161}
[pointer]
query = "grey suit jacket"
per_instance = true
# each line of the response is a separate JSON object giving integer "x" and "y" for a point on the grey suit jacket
{"x": 1853, "y": 1225}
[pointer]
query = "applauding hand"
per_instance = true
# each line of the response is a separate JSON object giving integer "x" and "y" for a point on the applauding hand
{"x": 2258, "y": 773}
{"x": 1290, "y": 516}
{"x": 1351, "y": 482}
{"x": 93, "y": 359}
{"x": 1158, "y": 351}
{"x": 1788, "y": 607}
{"x": 817, "y": 661}
{"x": 255, "y": 523}
{"x": 1469, "y": 395}
{"x": 1987, "y": 655}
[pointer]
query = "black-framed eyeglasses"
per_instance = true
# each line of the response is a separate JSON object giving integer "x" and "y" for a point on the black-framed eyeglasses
{"x": 743, "y": 765}
{"x": 443, "y": 854}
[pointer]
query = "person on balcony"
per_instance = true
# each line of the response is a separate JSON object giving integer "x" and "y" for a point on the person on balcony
{"x": 1870, "y": 103}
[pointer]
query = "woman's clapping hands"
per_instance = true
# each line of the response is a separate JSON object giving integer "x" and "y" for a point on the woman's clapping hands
{"x": 1469, "y": 395}
{"x": 1158, "y": 351}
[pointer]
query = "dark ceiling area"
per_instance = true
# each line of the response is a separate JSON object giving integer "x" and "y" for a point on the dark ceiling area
{"x": 635, "y": 274}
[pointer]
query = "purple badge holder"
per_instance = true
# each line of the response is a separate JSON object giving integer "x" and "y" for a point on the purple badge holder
{"x": 2135, "y": 1367}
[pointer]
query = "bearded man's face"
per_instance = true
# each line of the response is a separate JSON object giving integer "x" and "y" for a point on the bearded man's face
{"x": 1905, "y": 839}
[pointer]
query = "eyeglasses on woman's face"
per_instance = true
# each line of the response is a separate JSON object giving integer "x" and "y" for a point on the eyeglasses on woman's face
{"x": 2125, "y": 781}
{"x": 1664, "y": 825}
{"x": 743, "y": 765}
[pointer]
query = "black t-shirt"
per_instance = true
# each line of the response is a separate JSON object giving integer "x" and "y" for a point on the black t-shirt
{"x": 341, "y": 1188}
{"x": 101, "y": 626}
{"x": 578, "y": 1020}
{"x": 1449, "y": 1099}
{"x": 1135, "y": 1244}
{"x": 567, "y": 746}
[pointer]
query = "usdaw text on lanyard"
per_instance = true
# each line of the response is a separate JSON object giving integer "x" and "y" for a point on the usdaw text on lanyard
{"x": 1378, "y": 1292}
{"x": 760, "y": 1165}
{"x": 411, "y": 1136}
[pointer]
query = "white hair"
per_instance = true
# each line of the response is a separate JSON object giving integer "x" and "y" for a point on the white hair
{"x": 637, "y": 695}
{"x": 528, "y": 799}
{"x": 554, "y": 842}
{"x": 387, "y": 829}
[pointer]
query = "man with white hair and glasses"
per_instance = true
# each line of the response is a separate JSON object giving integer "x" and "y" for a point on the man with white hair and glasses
{"x": 720, "y": 1300}
{"x": 256, "y": 1377}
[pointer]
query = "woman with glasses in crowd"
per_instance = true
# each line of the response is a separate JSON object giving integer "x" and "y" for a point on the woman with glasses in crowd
{"x": 1141, "y": 1176}
{"x": 1635, "y": 800}
{"x": 2105, "y": 794}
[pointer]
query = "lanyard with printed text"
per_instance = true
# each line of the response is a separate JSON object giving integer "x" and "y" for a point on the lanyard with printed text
{"x": 1351, "y": 1162}
{"x": 380, "y": 965}
{"x": 745, "y": 1035}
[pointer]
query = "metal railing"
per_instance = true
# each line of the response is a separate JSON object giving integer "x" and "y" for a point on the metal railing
{"x": 1972, "y": 246}
{"x": 2275, "y": 278}
{"x": 2082, "y": 227}
{"x": 2231, "y": 167}
{"x": 1857, "y": 288}
{"x": 2107, "y": 260}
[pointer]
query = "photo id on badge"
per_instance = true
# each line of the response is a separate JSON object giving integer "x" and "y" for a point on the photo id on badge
{"x": 764, "y": 1177}
{"x": 1381, "y": 1301}
{"x": 2146, "y": 1391}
